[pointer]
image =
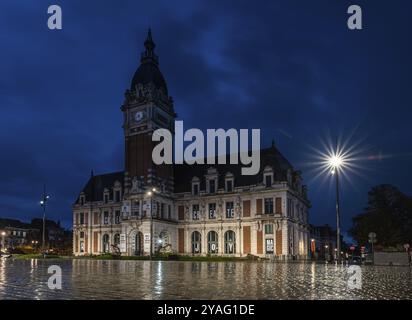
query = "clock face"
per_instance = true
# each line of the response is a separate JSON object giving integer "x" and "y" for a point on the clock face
{"x": 138, "y": 116}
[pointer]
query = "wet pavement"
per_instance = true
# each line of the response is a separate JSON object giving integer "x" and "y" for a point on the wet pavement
{"x": 105, "y": 279}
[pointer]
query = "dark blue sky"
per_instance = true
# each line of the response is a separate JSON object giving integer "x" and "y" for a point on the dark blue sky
{"x": 291, "y": 68}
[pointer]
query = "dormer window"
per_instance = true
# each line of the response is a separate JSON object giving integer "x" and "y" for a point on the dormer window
{"x": 117, "y": 196}
{"x": 268, "y": 177}
{"x": 212, "y": 186}
{"x": 117, "y": 191}
{"x": 268, "y": 181}
{"x": 81, "y": 200}
{"x": 229, "y": 182}
{"x": 211, "y": 180}
{"x": 229, "y": 185}
{"x": 106, "y": 195}
{"x": 195, "y": 186}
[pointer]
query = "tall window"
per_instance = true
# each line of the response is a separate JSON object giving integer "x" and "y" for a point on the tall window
{"x": 212, "y": 186}
{"x": 230, "y": 242}
{"x": 136, "y": 208}
{"x": 157, "y": 204}
{"x": 106, "y": 245}
{"x": 81, "y": 245}
{"x": 212, "y": 210}
{"x": 196, "y": 242}
{"x": 230, "y": 212}
{"x": 195, "y": 212}
{"x": 162, "y": 210}
{"x": 290, "y": 207}
{"x": 81, "y": 218}
{"x": 117, "y": 217}
{"x": 268, "y": 205}
{"x": 268, "y": 228}
{"x": 106, "y": 217}
{"x": 96, "y": 218}
{"x": 212, "y": 242}
{"x": 116, "y": 240}
{"x": 106, "y": 198}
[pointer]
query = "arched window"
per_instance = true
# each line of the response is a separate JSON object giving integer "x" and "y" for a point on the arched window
{"x": 196, "y": 242}
{"x": 212, "y": 242}
{"x": 230, "y": 242}
{"x": 116, "y": 240}
{"x": 106, "y": 247}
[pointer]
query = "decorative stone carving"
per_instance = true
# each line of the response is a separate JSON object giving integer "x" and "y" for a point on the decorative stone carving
{"x": 136, "y": 185}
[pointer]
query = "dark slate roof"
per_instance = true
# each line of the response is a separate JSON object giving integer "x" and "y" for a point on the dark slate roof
{"x": 149, "y": 73}
{"x": 94, "y": 188}
{"x": 184, "y": 173}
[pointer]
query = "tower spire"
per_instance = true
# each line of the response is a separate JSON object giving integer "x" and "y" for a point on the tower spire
{"x": 148, "y": 55}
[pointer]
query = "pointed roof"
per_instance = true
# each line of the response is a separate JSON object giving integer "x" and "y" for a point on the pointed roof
{"x": 148, "y": 71}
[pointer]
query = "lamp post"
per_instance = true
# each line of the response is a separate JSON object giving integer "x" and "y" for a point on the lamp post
{"x": 150, "y": 194}
{"x": 335, "y": 162}
{"x": 43, "y": 203}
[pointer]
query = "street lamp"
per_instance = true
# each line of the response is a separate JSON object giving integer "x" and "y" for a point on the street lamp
{"x": 150, "y": 194}
{"x": 43, "y": 203}
{"x": 335, "y": 163}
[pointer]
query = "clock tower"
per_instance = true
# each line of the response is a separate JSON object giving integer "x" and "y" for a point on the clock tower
{"x": 147, "y": 107}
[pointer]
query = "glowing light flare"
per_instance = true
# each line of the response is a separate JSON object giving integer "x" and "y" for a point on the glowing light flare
{"x": 335, "y": 161}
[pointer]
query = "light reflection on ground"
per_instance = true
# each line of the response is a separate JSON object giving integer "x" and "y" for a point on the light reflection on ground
{"x": 99, "y": 279}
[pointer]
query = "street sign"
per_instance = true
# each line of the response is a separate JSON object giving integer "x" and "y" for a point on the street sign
{"x": 372, "y": 237}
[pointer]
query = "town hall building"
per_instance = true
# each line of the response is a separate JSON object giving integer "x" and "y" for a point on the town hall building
{"x": 198, "y": 209}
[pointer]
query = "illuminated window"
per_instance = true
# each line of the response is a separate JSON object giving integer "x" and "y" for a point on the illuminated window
{"x": 196, "y": 242}
{"x": 212, "y": 242}
{"x": 212, "y": 210}
{"x": 230, "y": 212}
{"x": 195, "y": 212}
{"x": 230, "y": 242}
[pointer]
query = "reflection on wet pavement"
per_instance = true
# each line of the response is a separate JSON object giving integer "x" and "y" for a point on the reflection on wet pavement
{"x": 101, "y": 279}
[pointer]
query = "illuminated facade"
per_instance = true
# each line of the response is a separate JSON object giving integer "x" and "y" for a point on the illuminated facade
{"x": 195, "y": 209}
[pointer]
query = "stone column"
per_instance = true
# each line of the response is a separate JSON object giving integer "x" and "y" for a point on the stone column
{"x": 285, "y": 239}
